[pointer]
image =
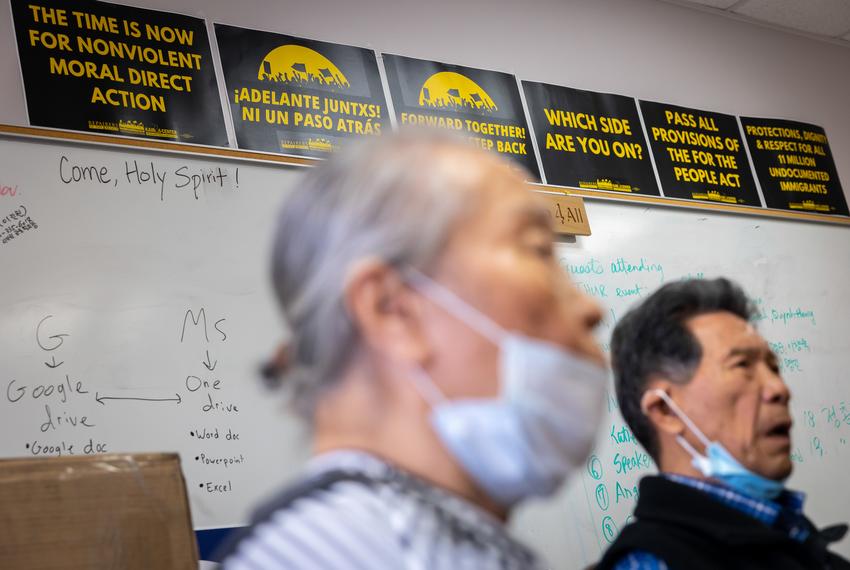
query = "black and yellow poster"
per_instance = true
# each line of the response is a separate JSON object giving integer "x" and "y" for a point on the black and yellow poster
{"x": 699, "y": 155}
{"x": 589, "y": 140}
{"x": 112, "y": 69}
{"x": 794, "y": 166}
{"x": 296, "y": 96}
{"x": 484, "y": 106}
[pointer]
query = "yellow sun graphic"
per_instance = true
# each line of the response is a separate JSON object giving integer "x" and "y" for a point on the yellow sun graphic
{"x": 298, "y": 64}
{"x": 448, "y": 89}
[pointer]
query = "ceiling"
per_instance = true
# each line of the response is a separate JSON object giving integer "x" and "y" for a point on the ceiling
{"x": 824, "y": 19}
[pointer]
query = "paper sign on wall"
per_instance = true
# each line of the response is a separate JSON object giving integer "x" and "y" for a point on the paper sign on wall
{"x": 794, "y": 166}
{"x": 298, "y": 96}
{"x": 484, "y": 106}
{"x": 589, "y": 140}
{"x": 118, "y": 70}
{"x": 699, "y": 155}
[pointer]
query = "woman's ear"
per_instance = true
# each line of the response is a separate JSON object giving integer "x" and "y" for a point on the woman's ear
{"x": 385, "y": 311}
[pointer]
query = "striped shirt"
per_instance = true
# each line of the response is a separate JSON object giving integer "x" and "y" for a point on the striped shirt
{"x": 785, "y": 513}
{"x": 380, "y": 517}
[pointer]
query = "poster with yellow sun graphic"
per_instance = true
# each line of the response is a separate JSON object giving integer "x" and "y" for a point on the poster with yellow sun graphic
{"x": 482, "y": 105}
{"x": 297, "y": 96}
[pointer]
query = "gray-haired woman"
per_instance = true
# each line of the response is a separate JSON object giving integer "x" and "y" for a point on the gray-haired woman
{"x": 443, "y": 359}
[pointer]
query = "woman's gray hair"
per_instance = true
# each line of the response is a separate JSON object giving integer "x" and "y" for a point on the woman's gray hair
{"x": 389, "y": 198}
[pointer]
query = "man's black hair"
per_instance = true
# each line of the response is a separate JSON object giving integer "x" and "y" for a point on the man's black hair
{"x": 653, "y": 340}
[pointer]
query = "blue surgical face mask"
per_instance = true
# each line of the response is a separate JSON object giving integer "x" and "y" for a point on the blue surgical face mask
{"x": 540, "y": 427}
{"x": 719, "y": 464}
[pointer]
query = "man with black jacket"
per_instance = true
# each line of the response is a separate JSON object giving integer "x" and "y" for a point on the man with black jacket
{"x": 701, "y": 390}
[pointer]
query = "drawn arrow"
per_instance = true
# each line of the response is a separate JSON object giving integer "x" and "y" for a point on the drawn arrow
{"x": 54, "y": 365}
{"x": 209, "y": 366}
{"x": 102, "y": 399}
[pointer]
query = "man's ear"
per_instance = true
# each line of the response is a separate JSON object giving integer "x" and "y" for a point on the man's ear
{"x": 654, "y": 407}
{"x": 385, "y": 311}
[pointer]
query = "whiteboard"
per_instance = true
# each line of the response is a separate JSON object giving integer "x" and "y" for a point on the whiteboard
{"x": 146, "y": 281}
{"x": 126, "y": 265}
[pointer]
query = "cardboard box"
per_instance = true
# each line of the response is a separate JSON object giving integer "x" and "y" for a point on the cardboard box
{"x": 101, "y": 511}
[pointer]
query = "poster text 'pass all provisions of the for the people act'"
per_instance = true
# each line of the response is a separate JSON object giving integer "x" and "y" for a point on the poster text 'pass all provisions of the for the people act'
{"x": 119, "y": 70}
{"x": 699, "y": 155}
{"x": 298, "y": 96}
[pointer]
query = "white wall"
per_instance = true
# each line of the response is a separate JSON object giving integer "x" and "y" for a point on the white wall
{"x": 644, "y": 48}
